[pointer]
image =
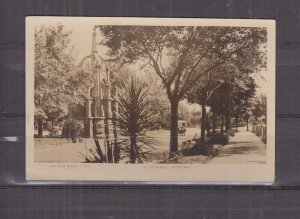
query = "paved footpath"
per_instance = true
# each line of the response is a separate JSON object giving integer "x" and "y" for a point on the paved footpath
{"x": 245, "y": 147}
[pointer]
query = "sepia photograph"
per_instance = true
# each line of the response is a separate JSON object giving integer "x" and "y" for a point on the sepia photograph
{"x": 149, "y": 99}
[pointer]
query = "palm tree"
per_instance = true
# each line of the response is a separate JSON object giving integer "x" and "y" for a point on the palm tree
{"x": 135, "y": 118}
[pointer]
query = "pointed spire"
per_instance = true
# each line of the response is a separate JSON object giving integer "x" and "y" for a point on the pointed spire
{"x": 94, "y": 51}
{"x": 94, "y": 48}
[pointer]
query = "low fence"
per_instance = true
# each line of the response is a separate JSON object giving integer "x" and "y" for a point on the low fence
{"x": 260, "y": 131}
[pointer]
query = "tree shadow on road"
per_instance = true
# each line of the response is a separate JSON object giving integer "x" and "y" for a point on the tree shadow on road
{"x": 243, "y": 149}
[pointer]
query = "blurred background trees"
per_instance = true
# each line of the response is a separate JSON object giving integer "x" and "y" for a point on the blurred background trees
{"x": 57, "y": 82}
{"x": 259, "y": 110}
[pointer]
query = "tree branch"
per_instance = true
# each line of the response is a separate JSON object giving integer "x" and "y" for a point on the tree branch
{"x": 184, "y": 88}
{"x": 183, "y": 55}
{"x": 212, "y": 91}
{"x": 201, "y": 58}
{"x": 159, "y": 58}
{"x": 155, "y": 65}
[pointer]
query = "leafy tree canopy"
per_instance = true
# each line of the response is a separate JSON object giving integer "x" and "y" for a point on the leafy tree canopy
{"x": 182, "y": 55}
{"x": 57, "y": 83}
{"x": 260, "y": 106}
{"x": 242, "y": 95}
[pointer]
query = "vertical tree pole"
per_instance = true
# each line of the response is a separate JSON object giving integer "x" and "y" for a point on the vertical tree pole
{"x": 116, "y": 149}
{"x": 247, "y": 122}
{"x": 174, "y": 126}
{"x": 214, "y": 122}
{"x": 222, "y": 122}
{"x": 228, "y": 111}
{"x": 133, "y": 149}
{"x": 108, "y": 118}
{"x": 40, "y": 127}
{"x": 203, "y": 121}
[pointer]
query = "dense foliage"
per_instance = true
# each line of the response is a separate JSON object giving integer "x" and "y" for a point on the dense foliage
{"x": 57, "y": 83}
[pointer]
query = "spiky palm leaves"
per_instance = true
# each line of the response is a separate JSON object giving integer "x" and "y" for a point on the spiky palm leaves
{"x": 135, "y": 119}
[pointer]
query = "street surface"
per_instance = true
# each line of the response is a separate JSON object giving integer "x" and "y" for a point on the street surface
{"x": 57, "y": 150}
{"x": 61, "y": 150}
{"x": 163, "y": 136}
{"x": 245, "y": 147}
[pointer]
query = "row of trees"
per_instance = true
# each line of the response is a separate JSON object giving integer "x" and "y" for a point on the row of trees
{"x": 227, "y": 98}
{"x": 190, "y": 59}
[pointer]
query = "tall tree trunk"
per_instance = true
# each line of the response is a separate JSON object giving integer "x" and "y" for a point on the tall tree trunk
{"x": 214, "y": 123}
{"x": 247, "y": 122}
{"x": 116, "y": 152}
{"x": 228, "y": 111}
{"x": 132, "y": 149}
{"x": 40, "y": 127}
{"x": 174, "y": 127}
{"x": 227, "y": 122}
{"x": 236, "y": 122}
{"x": 203, "y": 121}
{"x": 222, "y": 122}
{"x": 109, "y": 152}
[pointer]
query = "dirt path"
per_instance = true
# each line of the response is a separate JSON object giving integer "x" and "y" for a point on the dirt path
{"x": 62, "y": 150}
{"x": 245, "y": 147}
{"x": 58, "y": 150}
